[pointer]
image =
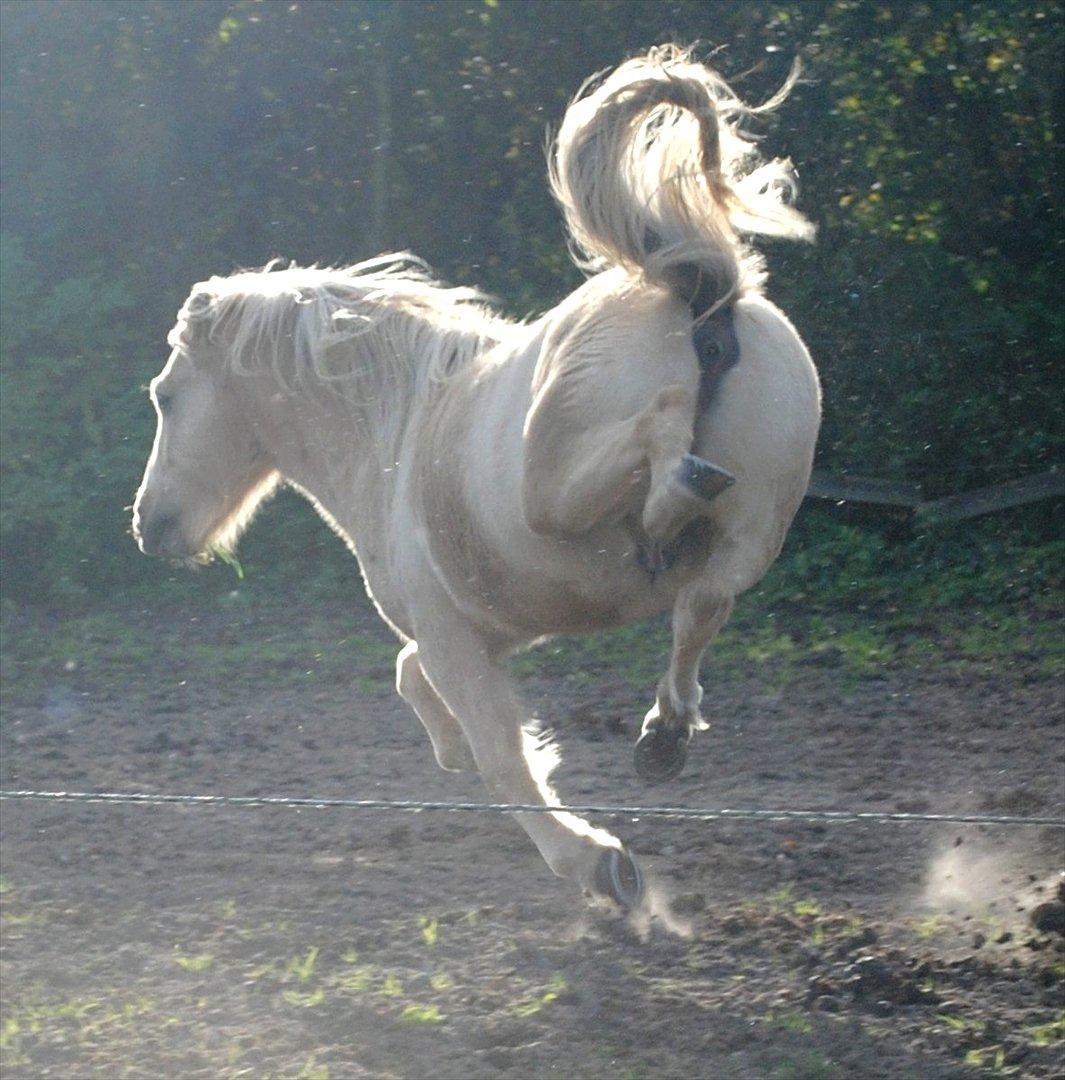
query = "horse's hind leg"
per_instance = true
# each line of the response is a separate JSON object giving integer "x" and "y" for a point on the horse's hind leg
{"x": 449, "y": 744}
{"x": 579, "y": 476}
{"x": 701, "y": 610}
{"x": 479, "y": 691}
{"x": 739, "y": 558}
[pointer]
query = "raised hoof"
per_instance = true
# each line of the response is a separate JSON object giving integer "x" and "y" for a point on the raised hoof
{"x": 703, "y": 477}
{"x": 618, "y": 878}
{"x": 660, "y": 753}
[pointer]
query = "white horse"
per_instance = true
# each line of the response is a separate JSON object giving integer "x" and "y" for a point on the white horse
{"x": 500, "y": 481}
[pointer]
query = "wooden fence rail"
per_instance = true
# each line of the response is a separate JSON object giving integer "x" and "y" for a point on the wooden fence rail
{"x": 968, "y": 504}
{"x": 863, "y": 489}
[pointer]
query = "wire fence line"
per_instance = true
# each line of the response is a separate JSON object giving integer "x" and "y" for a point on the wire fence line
{"x": 697, "y": 813}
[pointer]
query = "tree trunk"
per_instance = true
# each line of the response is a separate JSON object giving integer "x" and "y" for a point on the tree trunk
{"x": 382, "y": 156}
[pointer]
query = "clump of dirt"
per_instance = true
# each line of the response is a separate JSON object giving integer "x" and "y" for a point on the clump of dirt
{"x": 1049, "y": 916}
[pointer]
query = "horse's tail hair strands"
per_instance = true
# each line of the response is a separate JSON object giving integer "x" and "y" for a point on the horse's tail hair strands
{"x": 654, "y": 175}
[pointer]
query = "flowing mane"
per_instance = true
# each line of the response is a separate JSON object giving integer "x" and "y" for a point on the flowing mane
{"x": 354, "y": 329}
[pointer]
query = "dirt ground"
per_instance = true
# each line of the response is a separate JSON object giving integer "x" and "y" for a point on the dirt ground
{"x": 211, "y": 942}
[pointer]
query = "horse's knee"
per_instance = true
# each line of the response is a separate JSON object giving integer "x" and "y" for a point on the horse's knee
{"x": 682, "y": 485}
{"x": 565, "y": 504}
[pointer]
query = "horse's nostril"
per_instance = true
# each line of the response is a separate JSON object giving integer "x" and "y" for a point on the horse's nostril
{"x": 158, "y": 533}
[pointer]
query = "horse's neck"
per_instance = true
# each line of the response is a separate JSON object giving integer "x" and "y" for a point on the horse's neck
{"x": 334, "y": 452}
{"x": 340, "y": 444}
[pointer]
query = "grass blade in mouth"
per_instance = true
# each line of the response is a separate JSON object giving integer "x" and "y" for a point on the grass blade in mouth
{"x": 230, "y": 560}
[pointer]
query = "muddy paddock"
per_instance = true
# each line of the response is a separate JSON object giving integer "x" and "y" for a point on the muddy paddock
{"x": 213, "y": 942}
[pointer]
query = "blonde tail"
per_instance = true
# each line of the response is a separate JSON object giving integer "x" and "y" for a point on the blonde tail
{"x": 654, "y": 175}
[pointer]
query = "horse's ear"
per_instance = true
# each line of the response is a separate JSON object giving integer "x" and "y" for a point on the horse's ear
{"x": 199, "y": 302}
{"x": 198, "y": 316}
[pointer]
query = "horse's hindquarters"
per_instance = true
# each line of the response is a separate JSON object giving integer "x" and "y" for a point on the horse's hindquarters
{"x": 762, "y": 427}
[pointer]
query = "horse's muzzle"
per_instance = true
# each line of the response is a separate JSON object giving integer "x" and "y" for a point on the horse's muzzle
{"x": 161, "y": 535}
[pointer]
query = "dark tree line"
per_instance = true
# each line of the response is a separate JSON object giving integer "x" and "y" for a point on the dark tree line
{"x": 149, "y": 144}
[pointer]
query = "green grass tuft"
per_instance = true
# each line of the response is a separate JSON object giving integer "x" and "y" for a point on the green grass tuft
{"x": 198, "y": 962}
{"x": 421, "y": 1014}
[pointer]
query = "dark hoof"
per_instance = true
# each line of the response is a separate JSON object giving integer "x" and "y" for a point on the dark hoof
{"x": 618, "y": 878}
{"x": 660, "y": 753}
{"x": 703, "y": 477}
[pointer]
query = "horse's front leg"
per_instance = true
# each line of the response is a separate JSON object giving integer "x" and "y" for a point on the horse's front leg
{"x": 449, "y": 744}
{"x": 479, "y": 691}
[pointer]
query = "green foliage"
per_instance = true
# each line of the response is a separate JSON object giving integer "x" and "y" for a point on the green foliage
{"x": 150, "y": 144}
{"x": 790, "y": 1021}
{"x": 303, "y": 1000}
{"x": 828, "y": 564}
{"x": 68, "y": 459}
{"x": 533, "y": 1005}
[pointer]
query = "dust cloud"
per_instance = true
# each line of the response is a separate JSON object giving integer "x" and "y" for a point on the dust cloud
{"x": 983, "y": 875}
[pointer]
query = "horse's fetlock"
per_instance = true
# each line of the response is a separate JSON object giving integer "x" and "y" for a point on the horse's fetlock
{"x": 685, "y": 706}
{"x": 675, "y": 710}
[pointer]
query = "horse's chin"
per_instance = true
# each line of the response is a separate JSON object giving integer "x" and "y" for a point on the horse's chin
{"x": 191, "y": 554}
{"x": 189, "y": 562}
{"x": 201, "y": 558}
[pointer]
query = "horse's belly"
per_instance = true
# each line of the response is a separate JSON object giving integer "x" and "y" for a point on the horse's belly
{"x": 567, "y": 607}
{"x": 532, "y": 586}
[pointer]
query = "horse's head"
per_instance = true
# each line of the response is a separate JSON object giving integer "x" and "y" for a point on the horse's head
{"x": 207, "y": 470}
